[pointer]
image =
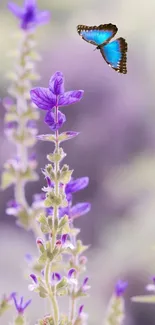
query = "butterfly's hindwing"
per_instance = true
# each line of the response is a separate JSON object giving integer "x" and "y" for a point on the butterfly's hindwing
{"x": 97, "y": 35}
{"x": 114, "y": 54}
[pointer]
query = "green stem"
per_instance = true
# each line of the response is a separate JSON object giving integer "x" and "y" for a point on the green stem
{"x": 52, "y": 295}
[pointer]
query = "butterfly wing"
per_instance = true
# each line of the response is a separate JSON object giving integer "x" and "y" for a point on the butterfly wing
{"x": 97, "y": 35}
{"x": 114, "y": 54}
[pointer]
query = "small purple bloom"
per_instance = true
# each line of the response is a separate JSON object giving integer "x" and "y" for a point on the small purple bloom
{"x": 20, "y": 305}
{"x": 13, "y": 208}
{"x": 11, "y": 125}
{"x": 120, "y": 288}
{"x": 56, "y": 277}
{"x": 79, "y": 209}
{"x": 50, "y": 119}
{"x": 47, "y": 98}
{"x": 29, "y": 15}
{"x": 49, "y": 183}
{"x": 64, "y": 238}
{"x": 76, "y": 185}
{"x": 80, "y": 310}
{"x": 71, "y": 272}
{"x": 34, "y": 278}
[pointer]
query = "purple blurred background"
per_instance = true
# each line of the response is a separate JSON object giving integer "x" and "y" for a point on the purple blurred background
{"x": 116, "y": 149}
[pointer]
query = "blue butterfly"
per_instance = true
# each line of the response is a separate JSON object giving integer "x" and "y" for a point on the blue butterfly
{"x": 114, "y": 52}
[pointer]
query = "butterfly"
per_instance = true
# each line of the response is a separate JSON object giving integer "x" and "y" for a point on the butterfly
{"x": 113, "y": 52}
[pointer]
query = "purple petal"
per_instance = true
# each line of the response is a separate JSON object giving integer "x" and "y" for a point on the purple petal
{"x": 56, "y": 83}
{"x": 80, "y": 310}
{"x": 13, "y": 204}
{"x": 34, "y": 278}
{"x": 50, "y": 119}
{"x": 11, "y": 125}
{"x": 56, "y": 276}
{"x": 43, "y": 98}
{"x": 43, "y": 17}
{"x": 16, "y": 10}
{"x": 49, "y": 183}
{"x": 15, "y": 300}
{"x": 71, "y": 272}
{"x": 21, "y": 302}
{"x": 70, "y": 97}
{"x": 79, "y": 210}
{"x": 76, "y": 185}
{"x": 64, "y": 238}
{"x": 26, "y": 304}
{"x": 120, "y": 288}
{"x": 63, "y": 211}
{"x": 85, "y": 281}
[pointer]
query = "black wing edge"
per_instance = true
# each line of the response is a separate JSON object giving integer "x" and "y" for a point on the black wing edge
{"x": 122, "y": 65}
{"x": 105, "y": 27}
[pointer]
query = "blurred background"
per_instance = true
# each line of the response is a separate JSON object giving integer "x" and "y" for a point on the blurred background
{"x": 116, "y": 149}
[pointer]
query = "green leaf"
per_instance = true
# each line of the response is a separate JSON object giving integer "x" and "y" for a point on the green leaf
{"x": 46, "y": 137}
{"x": 7, "y": 180}
{"x": 61, "y": 284}
{"x": 144, "y": 299}
{"x": 42, "y": 219}
{"x": 43, "y": 258}
{"x": 65, "y": 174}
{"x": 67, "y": 135}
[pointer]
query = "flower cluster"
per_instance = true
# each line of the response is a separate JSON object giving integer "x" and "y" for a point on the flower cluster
{"x": 116, "y": 309}
{"x": 58, "y": 276}
{"x": 21, "y": 115}
{"x": 29, "y": 15}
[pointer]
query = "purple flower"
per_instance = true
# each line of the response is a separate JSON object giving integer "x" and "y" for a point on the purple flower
{"x": 64, "y": 238}
{"x": 20, "y": 305}
{"x": 80, "y": 310}
{"x": 13, "y": 208}
{"x": 56, "y": 277}
{"x": 76, "y": 185}
{"x": 11, "y": 125}
{"x": 53, "y": 122}
{"x": 33, "y": 285}
{"x": 120, "y": 288}
{"x": 47, "y": 98}
{"x": 71, "y": 272}
{"x": 34, "y": 278}
{"x": 79, "y": 209}
{"x": 29, "y": 15}
{"x": 85, "y": 287}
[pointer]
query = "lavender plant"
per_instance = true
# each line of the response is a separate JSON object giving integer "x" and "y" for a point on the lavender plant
{"x": 21, "y": 115}
{"x": 59, "y": 275}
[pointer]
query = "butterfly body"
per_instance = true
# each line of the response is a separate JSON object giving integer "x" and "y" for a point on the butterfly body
{"x": 113, "y": 52}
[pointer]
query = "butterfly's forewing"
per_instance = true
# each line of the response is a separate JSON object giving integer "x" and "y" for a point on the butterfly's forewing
{"x": 97, "y": 35}
{"x": 114, "y": 54}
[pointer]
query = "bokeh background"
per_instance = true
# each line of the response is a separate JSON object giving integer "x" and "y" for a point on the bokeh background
{"x": 116, "y": 149}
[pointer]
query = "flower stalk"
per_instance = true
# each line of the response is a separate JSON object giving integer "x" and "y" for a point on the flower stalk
{"x": 57, "y": 221}
{"x": 21, "y": 116}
